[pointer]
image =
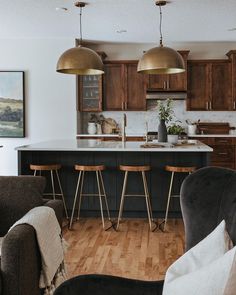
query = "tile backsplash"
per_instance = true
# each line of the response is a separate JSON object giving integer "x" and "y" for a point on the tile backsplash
{"x": 136, "y": 121}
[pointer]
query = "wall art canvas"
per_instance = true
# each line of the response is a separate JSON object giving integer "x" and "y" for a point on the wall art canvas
{"x": 12, "y": 104}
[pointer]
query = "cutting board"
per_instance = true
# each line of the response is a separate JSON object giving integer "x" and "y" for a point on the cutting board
{"x": 213, "y": 128}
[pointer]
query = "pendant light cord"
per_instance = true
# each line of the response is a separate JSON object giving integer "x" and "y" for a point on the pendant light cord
{"x": 160, "y": 26}
{"x": 80, "y": 20}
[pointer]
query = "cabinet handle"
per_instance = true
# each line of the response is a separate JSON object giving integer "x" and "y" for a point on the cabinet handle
{"x": 207, "y": 107}
{"x": 168, "y": 84}
{"x": 123, "y": 105}
{"x": 223, "y": 141}
{"x": 164, "y": 84}
{"x": 210, "y": 105}
{"x": 126, "y": 105}
{"x": 222, "y": 154}
{"x": 234, "y": 105}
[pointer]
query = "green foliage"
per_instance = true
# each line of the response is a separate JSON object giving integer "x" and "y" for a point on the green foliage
{"x": 165, "y": 110}
{"x": 175, "y": 129}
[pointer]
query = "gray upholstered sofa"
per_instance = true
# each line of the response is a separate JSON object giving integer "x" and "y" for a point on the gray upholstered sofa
{"x": 207, "y": 197}
{"x": 20, "y": 258}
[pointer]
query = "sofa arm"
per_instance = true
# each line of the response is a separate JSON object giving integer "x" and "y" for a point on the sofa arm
{"x": 104, "y": 284}
{"x": 20, "y": 262}
{"x": 57, "y": 205}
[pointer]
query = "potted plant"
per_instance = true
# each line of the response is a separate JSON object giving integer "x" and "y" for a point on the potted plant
{"x": 165, "y": 113}
{"x": 174, "y": 131}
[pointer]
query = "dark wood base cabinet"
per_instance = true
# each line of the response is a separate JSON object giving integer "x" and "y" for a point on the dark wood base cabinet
{"x": 224, "y": 151}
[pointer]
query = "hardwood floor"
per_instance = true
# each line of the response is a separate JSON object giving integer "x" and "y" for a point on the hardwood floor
{"x": 133, "y": 252}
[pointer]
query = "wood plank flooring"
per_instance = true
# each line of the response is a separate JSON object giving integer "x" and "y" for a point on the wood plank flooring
{"x": 133, "y": 252}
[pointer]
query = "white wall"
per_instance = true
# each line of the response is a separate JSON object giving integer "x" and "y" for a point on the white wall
{"x": 50, "y": 97}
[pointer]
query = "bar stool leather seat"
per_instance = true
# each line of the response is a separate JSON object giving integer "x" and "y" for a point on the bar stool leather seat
{"x": 180, "y": 169}
{"x": 89, "y": 168}
{"x": 134, "y": 168}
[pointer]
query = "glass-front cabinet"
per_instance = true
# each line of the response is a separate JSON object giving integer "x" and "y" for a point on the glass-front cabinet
{"x": 90, "y": 93}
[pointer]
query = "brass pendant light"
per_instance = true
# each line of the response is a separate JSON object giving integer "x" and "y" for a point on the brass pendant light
{"x": 80, "y": 60}
{"x": 161, "y": 59}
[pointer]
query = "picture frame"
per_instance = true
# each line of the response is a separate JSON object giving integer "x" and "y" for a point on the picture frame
{"x": 12, "y": 104}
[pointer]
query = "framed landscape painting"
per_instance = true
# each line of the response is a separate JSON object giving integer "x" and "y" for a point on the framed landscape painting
{"x": 12, "y": 104}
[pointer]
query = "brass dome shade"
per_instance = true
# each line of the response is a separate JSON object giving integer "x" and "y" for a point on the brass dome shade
{"x": 161, "y": 60}
{"x": 80, "y": 61}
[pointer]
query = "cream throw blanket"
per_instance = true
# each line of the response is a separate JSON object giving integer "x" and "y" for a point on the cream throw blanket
{"x": 48, "y": 232}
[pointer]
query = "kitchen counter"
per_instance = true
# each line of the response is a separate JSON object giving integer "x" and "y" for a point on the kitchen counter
{"x": 112, "y": 154}
{"x": 111, "y": 146}
{"x": 212, "y": 135}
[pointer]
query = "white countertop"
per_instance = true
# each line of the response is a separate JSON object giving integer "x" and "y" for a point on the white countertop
{"x": 110, "y": 135}
{"x": 212, "y": 135}
{"x": 109, "y": 146}
{"x": 140, "y": 135}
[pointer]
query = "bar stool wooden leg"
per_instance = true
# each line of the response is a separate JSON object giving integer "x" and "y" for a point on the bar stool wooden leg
{"x": 75, "y": 199}
{"x": 81, "y": 193}
{"x": 105, "y": 195}
{"x": 122, "y": 199}
{"x": 146, "y": 198}
{"x": 35, "y": 172}
{"x": 62, "y": 194}
{"x": 168, "y": 201}
{"x": 53, "y": 187}
{"x": 100, "y": 198}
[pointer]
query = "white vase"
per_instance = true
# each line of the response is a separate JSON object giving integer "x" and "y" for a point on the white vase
{"x": 92, "y": 128}
{"x": 173, "y": 139}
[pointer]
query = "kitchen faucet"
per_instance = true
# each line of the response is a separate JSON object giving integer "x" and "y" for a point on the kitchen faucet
{"x": 124, "y": 124}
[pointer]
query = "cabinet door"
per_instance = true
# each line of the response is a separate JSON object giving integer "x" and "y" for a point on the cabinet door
{"x": 90, "y": 93}
{"x": 178, "y": 82}
{"x": 221, "y": 89}
{"x": 172, "y": 82}
{"x": 158, "y": 82}
{"x": 198, "y": 86}
{"x": 135, "y": 89}
{"x": 114, "y": 87}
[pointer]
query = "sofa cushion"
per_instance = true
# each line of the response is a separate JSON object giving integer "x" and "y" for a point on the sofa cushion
{"x": 18, "y": 194}
{"x": 204, "y": 269}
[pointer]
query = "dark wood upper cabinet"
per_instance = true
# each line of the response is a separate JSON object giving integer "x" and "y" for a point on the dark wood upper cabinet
{"x": 232, "y": 56}
{"x": 209, "y": 85}
{"x": 89, "y": 93}
{"x": 136, "y": 88}
{"x": 114, "y": 87}
{"x": 124, "y": 87}
{"x": 198, "y": 90}
{"x": 221, "y": 91}
{"x": 173, "y": 82}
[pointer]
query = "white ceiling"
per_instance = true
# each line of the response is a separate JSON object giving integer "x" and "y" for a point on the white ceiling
{"x": 183, "y": 20}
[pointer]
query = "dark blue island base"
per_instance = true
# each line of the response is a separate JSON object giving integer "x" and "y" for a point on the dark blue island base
{"x": 158, "y": 179}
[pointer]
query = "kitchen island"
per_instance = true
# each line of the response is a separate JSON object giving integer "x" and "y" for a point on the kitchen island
{"x": 112, "y": 154}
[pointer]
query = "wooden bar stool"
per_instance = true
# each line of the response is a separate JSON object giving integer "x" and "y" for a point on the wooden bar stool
{"x": 52, "y": 168}
{"x": 100, "y": 185}
{"x": 142, "y": 170}
{"x": 173, "y": 170}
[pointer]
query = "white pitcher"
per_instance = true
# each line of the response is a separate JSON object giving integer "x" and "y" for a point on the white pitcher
{"x": 92, "y": 128}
